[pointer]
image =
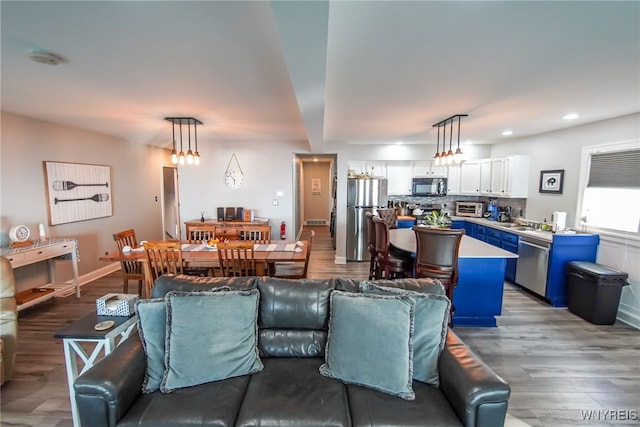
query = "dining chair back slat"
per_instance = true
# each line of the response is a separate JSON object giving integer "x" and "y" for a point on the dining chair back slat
{"x": 237, "y": 259}
{"x": 198, "y": 233}
{"x": 258, "y": 234}
{"x": 164, "y": 258}
{"x": 131, "y": 270}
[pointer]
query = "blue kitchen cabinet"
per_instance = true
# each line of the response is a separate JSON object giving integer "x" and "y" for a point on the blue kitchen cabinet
{"x": 509, "y": 242}
{"x": 565, "y": 248}
{"x": 458, "y": 225}
{"x": 493, "y": 236}
{"x": 470, "y": 229}
{"x": 481, "y": 233}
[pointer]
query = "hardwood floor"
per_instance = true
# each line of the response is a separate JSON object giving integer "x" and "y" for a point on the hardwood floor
{"x": 558, "y": 365}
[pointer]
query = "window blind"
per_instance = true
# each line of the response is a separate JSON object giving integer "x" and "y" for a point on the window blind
{"x": 616, "y": 169}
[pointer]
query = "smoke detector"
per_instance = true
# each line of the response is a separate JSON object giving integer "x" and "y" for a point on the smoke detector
{"x": 45, "y": 58}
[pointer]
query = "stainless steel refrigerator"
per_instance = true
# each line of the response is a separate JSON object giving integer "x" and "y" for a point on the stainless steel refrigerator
{"x": 363, "y": 195}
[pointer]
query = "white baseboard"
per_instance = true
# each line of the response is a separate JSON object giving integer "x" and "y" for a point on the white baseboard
{"x": 95, "y": 274}
{"x": 340, "y": 259}
{"x": 628, "y": 315}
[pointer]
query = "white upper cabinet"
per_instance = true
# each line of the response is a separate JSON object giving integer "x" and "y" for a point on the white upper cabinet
{"x": 515, "y": 181}
{"x": 453, "y": 179}
{"x": 427, "y": 168}
{"x": 502, "y": 177}
{"x": 399, "y": 178}
{"x": 470, "y": 177}
{"x": 371, "y": 167}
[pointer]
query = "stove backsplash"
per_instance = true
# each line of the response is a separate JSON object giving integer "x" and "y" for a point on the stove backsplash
{"x": 518, "y": 206}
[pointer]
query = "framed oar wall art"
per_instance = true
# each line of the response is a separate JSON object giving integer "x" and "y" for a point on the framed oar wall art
{"x": 77, "y": 192}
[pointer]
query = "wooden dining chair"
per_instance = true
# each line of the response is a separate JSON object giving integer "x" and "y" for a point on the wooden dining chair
{"x": 392, "y": 264}
{"x": 198, "y": 233}
{"x": 257, "y": 234}
{"x": 294, "y": 269}
{"x": 164, "y": 258}
{"x": 237, "y": 259}
{"x": 371, "y": 238}
{"x": 437, "y": 256}
{"x": 131, "y": 270}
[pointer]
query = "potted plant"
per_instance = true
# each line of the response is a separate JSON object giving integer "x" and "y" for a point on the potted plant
{"x": 437, "y": 219}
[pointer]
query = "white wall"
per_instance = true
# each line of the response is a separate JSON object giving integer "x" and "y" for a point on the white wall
{"x": 562, "y": 150}
{"x": 135, "y": 177}
{"x": 268, "y": 173}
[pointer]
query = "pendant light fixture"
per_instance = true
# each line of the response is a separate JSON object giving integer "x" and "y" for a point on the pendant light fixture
{"x": 443, "y": 155}
{"x": 191, "y": 156}
{"x": 450, "y": 152}
{"x": 457, "y": 156}
{"x": 437, "y": 156}
{"x": 448, "y": 157}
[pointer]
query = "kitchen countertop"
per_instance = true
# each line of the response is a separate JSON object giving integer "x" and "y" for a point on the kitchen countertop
{"x": 546, "y": 236}
{"x": 405, "y": 239}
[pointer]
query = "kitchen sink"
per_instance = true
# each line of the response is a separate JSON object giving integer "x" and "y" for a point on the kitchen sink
{"x": 513, "y": 226}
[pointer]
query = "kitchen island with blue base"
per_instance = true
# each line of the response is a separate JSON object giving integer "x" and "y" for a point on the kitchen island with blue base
{"x": 481, "y": 273}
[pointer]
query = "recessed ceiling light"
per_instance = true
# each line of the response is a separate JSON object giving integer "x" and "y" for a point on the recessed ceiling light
{"x": 507, "y": 133}
{"x": 315, "y": 159}
{"x": 47, "y": 58}
{"x": 398, "y": 142}
{"x": 570, "y": 116}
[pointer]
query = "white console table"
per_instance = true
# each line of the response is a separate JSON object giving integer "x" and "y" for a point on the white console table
{"x": 48, "y": 250}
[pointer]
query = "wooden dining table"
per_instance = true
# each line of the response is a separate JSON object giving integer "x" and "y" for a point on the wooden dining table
{"x": 265, "y": 254}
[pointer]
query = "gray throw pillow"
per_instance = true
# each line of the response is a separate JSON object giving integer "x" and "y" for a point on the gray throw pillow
{"x": 152, "y": 327}
{"x": 211, "y": 336}
{"x": 429, "y": 330}
{"x": 370, "y": 339}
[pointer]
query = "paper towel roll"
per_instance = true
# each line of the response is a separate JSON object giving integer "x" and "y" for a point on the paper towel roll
{"x": 559, "y": 221}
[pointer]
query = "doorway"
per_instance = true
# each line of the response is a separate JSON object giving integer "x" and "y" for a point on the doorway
{"x": 170, "y": 203}
{"x": 314, "y": 183}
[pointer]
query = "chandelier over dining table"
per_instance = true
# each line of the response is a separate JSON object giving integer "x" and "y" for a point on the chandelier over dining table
{"x": 192, "y": 157}
{"x": 448, "y": 157}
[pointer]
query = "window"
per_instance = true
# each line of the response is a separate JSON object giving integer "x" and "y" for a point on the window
{"x": 611, "y": 190}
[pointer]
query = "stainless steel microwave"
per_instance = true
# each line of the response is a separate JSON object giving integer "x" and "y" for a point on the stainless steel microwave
{"x": 429, "y": 187}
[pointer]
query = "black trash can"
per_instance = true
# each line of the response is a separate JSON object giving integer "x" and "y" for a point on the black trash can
{"x": 593, "y": 291}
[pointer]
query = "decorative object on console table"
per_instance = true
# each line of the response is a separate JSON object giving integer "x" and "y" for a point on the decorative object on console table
{"x": 551, "y": 181}
{"x": 85, "y": 190}
{"x": 116, "y": 305}
{"x": 19, "y": 236}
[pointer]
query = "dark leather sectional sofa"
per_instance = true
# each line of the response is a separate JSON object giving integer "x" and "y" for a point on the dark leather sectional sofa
{"x": 289, "y": 391}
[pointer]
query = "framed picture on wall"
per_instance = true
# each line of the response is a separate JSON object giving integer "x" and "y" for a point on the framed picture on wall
{"x": 551, "y": 181}
{"x": 77, "y": 192}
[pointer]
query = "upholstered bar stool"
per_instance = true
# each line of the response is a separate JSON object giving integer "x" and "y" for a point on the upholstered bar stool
{"x": 391, "y": 264}
{"x": 373, "y": 253}
{"x": 437, "y": 256}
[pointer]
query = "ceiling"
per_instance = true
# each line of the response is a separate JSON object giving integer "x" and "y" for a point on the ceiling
{"x": 321, "y": 71}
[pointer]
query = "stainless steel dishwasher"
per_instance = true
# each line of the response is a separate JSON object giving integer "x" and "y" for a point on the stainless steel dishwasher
{"x": 533, "y": 261}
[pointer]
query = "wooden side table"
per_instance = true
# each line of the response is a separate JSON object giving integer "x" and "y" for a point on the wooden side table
{"x": 83, "y": 331}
